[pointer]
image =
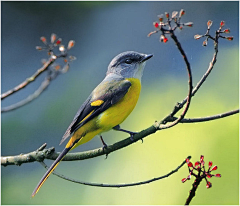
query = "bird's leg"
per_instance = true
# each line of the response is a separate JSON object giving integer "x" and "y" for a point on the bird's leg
{"x": 118, "y": 128}
{"x": 104, "y": 144}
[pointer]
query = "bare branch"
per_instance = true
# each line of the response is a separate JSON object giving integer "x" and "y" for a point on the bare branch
{"x": 30, "y": 98}
{"x": 117, "y": 185}
{"x": 190, "y": 87}
{"x": 28, "y": 80}
{"x": 40, "y": 155}
{"x": 205, "y": 119}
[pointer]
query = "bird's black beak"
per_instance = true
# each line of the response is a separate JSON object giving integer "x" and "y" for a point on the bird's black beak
{"x": 146, "y": 57}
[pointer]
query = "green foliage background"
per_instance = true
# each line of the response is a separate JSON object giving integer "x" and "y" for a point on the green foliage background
{"x": 164, "y": 83}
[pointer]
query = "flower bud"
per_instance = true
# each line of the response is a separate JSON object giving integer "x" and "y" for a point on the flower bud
{"x": 214, "y": 168}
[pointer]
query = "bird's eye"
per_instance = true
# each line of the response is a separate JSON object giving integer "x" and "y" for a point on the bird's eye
{"x": 128, "y": 61}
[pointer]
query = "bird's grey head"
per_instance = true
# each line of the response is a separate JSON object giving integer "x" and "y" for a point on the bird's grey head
{"x": 128, "y": 64}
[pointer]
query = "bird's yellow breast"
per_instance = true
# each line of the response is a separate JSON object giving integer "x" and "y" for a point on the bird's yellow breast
{"x": 118, "y": 112}
{"x": 110, "y": 118}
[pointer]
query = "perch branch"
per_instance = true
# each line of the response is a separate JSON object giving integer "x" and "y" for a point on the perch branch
{"x": 42, "y": 153}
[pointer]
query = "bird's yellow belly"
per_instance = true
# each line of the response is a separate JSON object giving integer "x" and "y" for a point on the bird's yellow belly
{"x": 110, "y": 118}
{"x": 117, "y": 113}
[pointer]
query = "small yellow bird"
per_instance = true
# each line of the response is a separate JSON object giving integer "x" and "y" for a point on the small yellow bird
{"x": 108, "y": 105}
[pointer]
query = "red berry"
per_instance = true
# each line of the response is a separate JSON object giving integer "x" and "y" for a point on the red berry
{"x": 222, "y": 23}
{"x": 156, "y": 25}
{"x": 167, "y": 14}
{"x": 214, "y": 168}
{"x": 165, "y": 40}
{"x": 209, "y": 175}
{"x": 197, "y": 163}
{"x": 184, "y": 180}
{"x": 230, "y": 38}
{"x": 58, "y": 41}
{"x": 209, "y": 185}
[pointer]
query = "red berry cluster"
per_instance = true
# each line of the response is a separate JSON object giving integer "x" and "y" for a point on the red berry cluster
{"x": 56, "y": 42}
{"x": 202, "y": 173}
{"x": 218, "y": 33}
{"x": 166, "y": 27}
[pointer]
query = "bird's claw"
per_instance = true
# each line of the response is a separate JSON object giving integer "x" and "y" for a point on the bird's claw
{"x": 132, "y": 134}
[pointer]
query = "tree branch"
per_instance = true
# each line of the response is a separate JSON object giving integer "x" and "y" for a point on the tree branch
{"x": 190, "y": 87}
{"x": 117, "y": 185}
{"x": 205, "y": 119}
{"x": 30, "y": 98}
{"x": 178, "y": 106}
{"x": 28, "y": 80}
{"x": 42, "y": 153}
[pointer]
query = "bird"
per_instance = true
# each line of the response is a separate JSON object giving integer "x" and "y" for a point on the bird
{"x": 107, "y": 106}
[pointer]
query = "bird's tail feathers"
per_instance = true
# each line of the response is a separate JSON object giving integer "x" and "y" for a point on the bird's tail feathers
{"x": 51, "y": 169}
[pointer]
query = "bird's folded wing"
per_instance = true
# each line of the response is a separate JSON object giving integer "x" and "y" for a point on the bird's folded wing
{"x": 103, "y": 97}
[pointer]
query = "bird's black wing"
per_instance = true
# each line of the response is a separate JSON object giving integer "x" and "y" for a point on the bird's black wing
{"x": 103, "y": 96}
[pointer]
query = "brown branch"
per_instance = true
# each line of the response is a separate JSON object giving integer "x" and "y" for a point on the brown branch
{"x": 192, "y": 192}
{"x": 204, "y": 77}
{"x": 178, "y": 106}
{"x": 28, "y": 80}
{"x": 42, "y": 153}
{"x": 190, "y": 87}
{"x": 205, "y": 119}
{"x": 30, "y": 98}
{"x": 116, "y": 185}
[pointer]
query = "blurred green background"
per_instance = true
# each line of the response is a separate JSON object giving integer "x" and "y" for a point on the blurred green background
{"x": 101, "y": 31}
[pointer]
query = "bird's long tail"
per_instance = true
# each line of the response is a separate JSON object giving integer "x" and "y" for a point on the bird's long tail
{"x": 51, "y": 169}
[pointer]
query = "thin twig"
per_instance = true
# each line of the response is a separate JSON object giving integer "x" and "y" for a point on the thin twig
{"x": 28, "y": 80}
{"x": 30, "y": 98}
{"x": 204, "y": 77}
{"x": 190, "y": 87}
{"x": 205, "y": 119}
{"x": 116, "y": 185}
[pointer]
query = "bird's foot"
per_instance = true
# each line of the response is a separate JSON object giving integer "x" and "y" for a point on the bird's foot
{"x": 104, "y": 146}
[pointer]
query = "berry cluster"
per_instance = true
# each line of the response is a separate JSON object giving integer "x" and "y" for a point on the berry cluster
{"x": 166, "y": 27}
{"x": 202, "y": 173}
{"x": 50, "y": 47}
{"x": 218, "y": 33}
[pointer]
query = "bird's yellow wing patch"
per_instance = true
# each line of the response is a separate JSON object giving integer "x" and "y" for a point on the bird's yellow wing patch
{"x": 97, "y": 103}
